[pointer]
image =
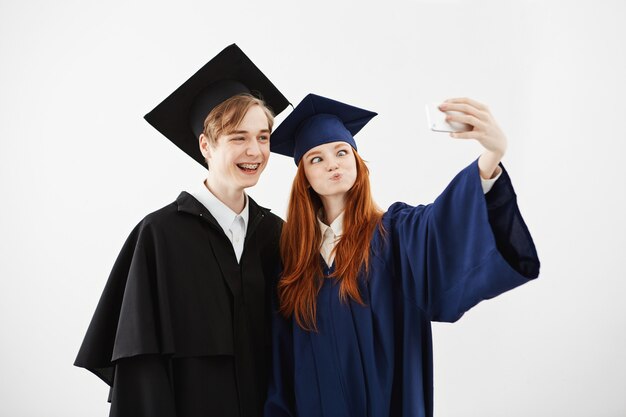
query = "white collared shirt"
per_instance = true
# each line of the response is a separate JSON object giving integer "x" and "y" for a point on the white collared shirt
{"x": 233, "y": 224}
{"x": 332, "y": 233}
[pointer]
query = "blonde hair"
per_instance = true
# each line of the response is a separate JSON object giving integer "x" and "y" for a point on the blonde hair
{"x": 225, "y": 117}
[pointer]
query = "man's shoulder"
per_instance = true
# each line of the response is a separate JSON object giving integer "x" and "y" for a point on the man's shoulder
{"x": 273, "y": 219}
{"x": 166, "y": 215}
{"x": 268, "y": 217}
{"x": 162, "y": 214}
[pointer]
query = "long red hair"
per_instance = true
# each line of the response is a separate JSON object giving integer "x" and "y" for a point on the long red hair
{"x": 301, "y": 239}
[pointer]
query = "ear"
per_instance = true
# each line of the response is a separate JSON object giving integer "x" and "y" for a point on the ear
{"x": 205, "y": 146}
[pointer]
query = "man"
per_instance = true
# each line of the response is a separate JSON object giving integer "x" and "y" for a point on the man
{"x": 181, "y": 328}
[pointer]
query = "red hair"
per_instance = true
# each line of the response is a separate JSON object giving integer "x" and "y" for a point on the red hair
{"x": 301, "y": 239}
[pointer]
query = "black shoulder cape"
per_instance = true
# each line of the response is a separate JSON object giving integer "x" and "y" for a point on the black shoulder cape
{"x": 181, "y": 328}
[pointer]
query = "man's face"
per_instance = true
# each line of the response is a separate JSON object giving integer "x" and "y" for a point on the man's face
{"x": 239, "y": 157}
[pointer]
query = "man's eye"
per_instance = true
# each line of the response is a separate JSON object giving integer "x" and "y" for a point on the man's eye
{"x": 264, "y": 138}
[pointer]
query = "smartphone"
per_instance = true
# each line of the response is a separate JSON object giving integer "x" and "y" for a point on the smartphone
{"x": 437, "y": 120}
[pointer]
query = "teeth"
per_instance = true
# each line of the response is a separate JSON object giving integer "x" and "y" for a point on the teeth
{"x": 249, "y": 166}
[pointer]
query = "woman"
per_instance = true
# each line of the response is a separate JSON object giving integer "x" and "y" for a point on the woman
{"x": 182, "y": 326}
{"x": 352, "y": 332}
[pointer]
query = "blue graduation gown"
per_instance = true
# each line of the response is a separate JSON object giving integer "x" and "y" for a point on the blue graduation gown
{"x": 432, "y": 263}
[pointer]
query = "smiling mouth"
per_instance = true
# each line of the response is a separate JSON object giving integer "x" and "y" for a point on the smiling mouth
{"x": 249, "y": 168}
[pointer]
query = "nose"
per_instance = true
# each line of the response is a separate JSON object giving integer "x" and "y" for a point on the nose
{"x": 332, "y": 164}
{"x": 253, "y": 148}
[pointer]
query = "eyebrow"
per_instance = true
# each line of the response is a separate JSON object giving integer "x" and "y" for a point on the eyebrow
{"x": 310, "y": 154}
{"x": 234, "y": 132}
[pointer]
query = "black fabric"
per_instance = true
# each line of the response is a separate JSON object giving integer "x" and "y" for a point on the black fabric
{"x": 142, "y": 388}
{"x": 178, "y": 311}
{"x": 181, "y": 115}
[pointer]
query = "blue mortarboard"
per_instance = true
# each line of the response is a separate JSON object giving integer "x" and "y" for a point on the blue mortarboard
{"x": 317, "y": 120}
{"x": 180, "y": 117}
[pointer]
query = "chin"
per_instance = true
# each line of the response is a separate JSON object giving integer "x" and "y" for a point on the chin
{"x": 332, "y": 193}
{"x": 250, "y": 182}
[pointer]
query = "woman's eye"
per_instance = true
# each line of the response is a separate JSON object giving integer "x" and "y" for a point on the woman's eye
{"x": 342, "y": 153}
{"x": 316, "y": 160}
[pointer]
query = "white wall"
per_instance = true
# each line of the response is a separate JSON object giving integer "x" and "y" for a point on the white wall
{"x": 79, "y": 168}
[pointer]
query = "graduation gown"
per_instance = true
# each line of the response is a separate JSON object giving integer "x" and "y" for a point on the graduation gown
{"x": 182, "y": 329}
{"x": 432, "y": 263}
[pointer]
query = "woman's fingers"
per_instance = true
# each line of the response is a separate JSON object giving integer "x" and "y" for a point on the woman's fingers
{"x": 467, "y": 100}
{"x": 477, "y": 115}
{"x": 468, "y": 135}
{"x": 465, "y": 108}
{"x": 467, "y": 119}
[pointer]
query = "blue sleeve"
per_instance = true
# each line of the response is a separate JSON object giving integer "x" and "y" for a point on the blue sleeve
{"x": 280, "y": 400}
{"x": 463, "y": 248}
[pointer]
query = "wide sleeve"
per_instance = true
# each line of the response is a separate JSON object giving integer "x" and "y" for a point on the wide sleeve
{"x": 142, "y": 388}
{"x": 463, "y": 248}
{"x": 280, "y": 400}
{"x": 124, "y": 341}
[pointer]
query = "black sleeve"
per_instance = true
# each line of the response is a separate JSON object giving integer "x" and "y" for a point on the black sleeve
{"x": 142, "y": 388}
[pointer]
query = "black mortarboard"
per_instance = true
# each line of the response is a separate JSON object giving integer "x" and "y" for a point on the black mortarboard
{"x": 317, "y": 120}
{"x": 180, "y": 117}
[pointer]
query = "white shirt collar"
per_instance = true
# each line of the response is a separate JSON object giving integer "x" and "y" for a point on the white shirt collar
{"x": 336, "y": 226}
{"x": 222, "y": 213}
{"x": 330, "y": 235}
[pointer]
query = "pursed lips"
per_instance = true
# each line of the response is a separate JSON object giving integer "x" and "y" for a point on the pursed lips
{"x": 335, "y": 177}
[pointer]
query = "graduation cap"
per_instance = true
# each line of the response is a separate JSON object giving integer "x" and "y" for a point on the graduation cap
{"x": 180, "y": 117}
{"x": 317, "y": 120}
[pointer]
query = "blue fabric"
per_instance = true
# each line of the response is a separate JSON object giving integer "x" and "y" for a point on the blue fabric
{"x": 318, "y": 130}
{"x": 317, "y": 120}
{"x": 433, "y": 264}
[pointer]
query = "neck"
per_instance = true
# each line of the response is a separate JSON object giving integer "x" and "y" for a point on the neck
{"x": 233, "y": 198}
{"x": 333, "y": 207}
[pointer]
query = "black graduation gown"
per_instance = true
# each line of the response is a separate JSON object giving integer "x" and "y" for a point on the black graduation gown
{"x": 181, "y": 328}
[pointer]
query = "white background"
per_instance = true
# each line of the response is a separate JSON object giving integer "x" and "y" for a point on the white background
{"x": 79, "y": 167}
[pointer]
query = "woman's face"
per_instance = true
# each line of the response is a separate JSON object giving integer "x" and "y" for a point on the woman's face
{"x": 330, "y": 169}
